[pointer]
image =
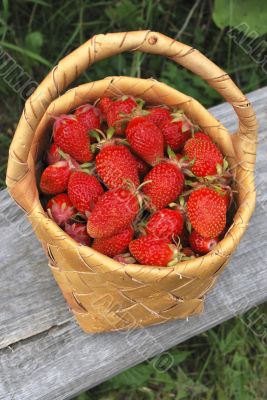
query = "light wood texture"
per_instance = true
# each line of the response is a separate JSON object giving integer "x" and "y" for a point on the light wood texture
{"x": 44, "y": 355}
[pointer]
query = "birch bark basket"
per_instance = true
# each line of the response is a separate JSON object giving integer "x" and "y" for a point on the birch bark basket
{"x": 103, "y": 294}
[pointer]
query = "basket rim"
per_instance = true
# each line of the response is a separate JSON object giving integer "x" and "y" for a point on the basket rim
{"x": 181, "y": 267}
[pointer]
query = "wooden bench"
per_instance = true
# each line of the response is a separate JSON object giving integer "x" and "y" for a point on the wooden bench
{"x": 45, "y": 355}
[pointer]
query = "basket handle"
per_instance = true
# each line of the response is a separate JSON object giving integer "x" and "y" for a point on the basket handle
{"x": 102, "y": 46}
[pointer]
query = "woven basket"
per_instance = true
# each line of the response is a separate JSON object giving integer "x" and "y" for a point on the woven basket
{"x": 103, "y": 294}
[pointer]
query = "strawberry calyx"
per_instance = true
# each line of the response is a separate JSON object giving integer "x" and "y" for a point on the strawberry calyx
{"x": 178, "y": 255}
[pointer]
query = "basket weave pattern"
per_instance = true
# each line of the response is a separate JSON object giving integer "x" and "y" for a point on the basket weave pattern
{"x": 103, "y": 294}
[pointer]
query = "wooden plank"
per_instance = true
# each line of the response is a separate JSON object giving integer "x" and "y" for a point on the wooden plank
{"x": 44, "y": 355}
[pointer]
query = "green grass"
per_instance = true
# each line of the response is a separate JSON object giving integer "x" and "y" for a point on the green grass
{"x": 228, "y": 362}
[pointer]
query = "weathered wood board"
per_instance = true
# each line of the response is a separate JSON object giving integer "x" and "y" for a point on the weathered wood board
{"x": 44, "y": 354}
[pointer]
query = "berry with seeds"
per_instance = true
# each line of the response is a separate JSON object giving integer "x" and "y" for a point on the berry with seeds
{"x": 73, "y": 138}
{"x": 118, "y": 113}
{"x": 167, "y": 182}
{"x": 206, "y": 210}
{"x": 114, "y": 245}
{"x": 205, "y": 156}
{"x": 175, "y": 133}
{"x": 149, "y": 250}
{"x": 200, "y": 244}
{"x": 145, "y": 139}
{"x": 84, "y": 190}
{"x": 165, "y": 224}
{"x": 89, "y": 116}
{"x": 115, "y": 210}
{"x": 158, "y": 114}
{"x": 116, "y": 166}
{"x": 54, "y": 178}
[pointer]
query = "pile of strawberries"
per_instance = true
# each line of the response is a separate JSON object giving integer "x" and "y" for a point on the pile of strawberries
{"x": 136, "y": 183}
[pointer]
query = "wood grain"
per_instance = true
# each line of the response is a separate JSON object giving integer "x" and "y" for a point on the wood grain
{"x": 43, "y": 353}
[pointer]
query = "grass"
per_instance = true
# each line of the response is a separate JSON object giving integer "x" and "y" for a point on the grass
{"x": 228, "y": 362}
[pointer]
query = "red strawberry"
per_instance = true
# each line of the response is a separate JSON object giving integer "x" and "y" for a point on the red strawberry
{"x": 78, "y": 232}
{"x": 200, "y": 244}
{"x": 142, "y": 166}
{"x": 53, "y": 154}
{"x": 145, "y": 139}
{"x": 113, "y": 245}
{"x": 89, "y": 116}
{"x": 84, "y": 190}
{"x": 206, "y": 210}
{"x": 73, "y": 138}
{"x": 60, "y": 208}
{"x": 114, "y": 211}
{"x": 54, "y": 178}
{"x": 117, "y": 111}
{"x": 149, "y": 250}
{"x": 175, "y": 133}
{"x": 158, "y": 114}
{"x": 167, "y": 182}
{"x": 201, "y": 135}
{"x": 165, "y": 224}
{"x": 205, "y": 155}
{"x": 103, "y": 105}
{"x": 188, "y": 252}
{"x": 116, "y": 165}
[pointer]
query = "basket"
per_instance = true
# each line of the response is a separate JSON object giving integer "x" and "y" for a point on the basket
{"x": 103, "y": 294}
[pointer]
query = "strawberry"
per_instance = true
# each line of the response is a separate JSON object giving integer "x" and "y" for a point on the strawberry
{"x": 53, "y": 154}
{"x": 201, "y": 135}
{"x": 118, "y": 111}
{"x": 165, "y": 224}
{"x": 142, "y": 166}
{"x": 54, "y": 178}
{"x": 206, "y": 210}
{"x": 175, "y": 133}
{"x": 188, "y": 252}
{"x": 84, "y": 190}
{"x": 205, "y": 156}
{"x": 125, "y": 258}
{"x": 167, "y": 182}
{"x": 113, "y": 245}
{"x": 149, "y": 250}
{"x": 78, "y": 232}
{"x": 60, "y": 208}
{"x": 116, "y": 165}
{"x": 73, "y": 138}
{"x": 114, "y": 211}
{"x": 145, "y": 139}
{"x": 158, "y": 114}
{"x": 89, "y": 116}
{"x": 103, "y": 105}
{"x": 200, "y": 244}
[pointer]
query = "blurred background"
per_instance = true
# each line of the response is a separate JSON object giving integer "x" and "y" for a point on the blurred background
{"x": 227, "y": 362}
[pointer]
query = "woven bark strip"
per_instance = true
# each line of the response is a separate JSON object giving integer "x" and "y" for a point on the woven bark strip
{"x": 103, "y": 294}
